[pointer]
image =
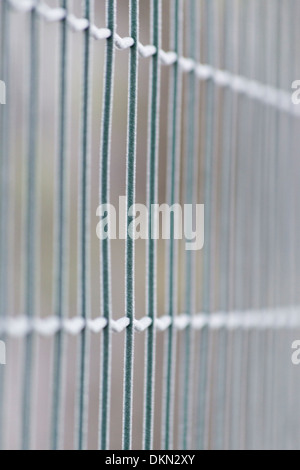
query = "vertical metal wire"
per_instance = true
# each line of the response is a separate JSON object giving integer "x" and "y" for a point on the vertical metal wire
{"x": 260, "y": 278}
{"x": 240, "y": 223}
{"x": 190, "y": 186}
{"x": 282, "y": 238}
{"x": 246, "y": 142}
{"x": 226, "y": 182}
{"x": 232, "y": 58}
{"x": 288, "y": 222}
{"x": 271, "y": 154}
{"x": 274, "y": 50}
{"x": 209, "y": 151}
{"x": 172, "y": 197}
{"x": 276, "y": 218}
{"x": 153, "y": 140}
{"x": 254, "y": 357}
{"x": 293, "y": 19}
{"x": 84, "y": 234}
{"x": 261, "y": 179}
{"x": 286, "y": 232}
{"x": 4, "y": 189}
{"x": 30, "y": 228}
{"x": 130, "y": 188}
{"x": 297, "y": 228}
{"x": 295, "y": 10}
{"x": 105, "y": 156}
{"x": 210, "y": 245}
{"x": 60, "y": 235}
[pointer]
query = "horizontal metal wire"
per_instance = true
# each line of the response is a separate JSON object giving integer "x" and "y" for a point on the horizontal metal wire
{"x": 21, "y": 326}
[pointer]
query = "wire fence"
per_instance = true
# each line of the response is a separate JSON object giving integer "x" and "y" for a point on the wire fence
{"x": 206, "y": 336}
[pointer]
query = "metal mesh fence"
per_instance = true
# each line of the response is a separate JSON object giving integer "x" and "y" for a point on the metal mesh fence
{"x": 177, "y": 102}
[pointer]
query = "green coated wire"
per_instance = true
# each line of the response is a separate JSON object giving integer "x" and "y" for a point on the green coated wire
{"x": 209, "y": 154}
{"x": 60, "y": 273}
{"x": 270, "y": 375}
{"x": 84, "y": 231}
{"x": 4, "y": 180}
{"x": 250, "y": 143}
{"x": 173, "y": 189}
{"x": 251, "y": 336}
{"x": 226, "y": 181}
{"x": 289, "y": 194}
{"x": 294, "y": 215}
{"x": 243, "y": 204}
{"x": 232, "y": 57}
{"x": 287, "y": 73}
{"x": 266, "y": 238}
{"x": 276, "y": 220}
{"x": 105, "y": 244}
{"x": 258, "y": 297}
{"x": 130, "y": 189}
{"x": 154, "y": 101}
{"x": 236, "y": 338}
{"x": 191, "y": 171}
{"x": 30, "y": 229}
